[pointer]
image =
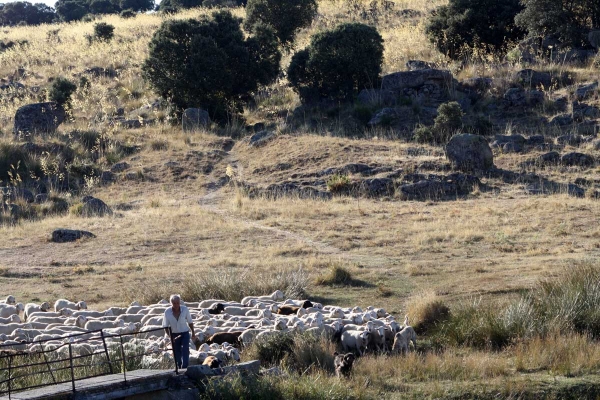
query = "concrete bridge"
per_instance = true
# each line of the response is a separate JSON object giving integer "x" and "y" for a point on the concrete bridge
{"x": 144, "y": 384}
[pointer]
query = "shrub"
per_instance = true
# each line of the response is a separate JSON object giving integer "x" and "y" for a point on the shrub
{"x": 103, "y": 32}
{"x": 570, "y": 21}
{"x": 337, "y": 64}
{"x": 14, "y": 160}
{"x": 338, "y": 183}
{"x": 207, "y": 63}
{"x": 426, "y": 311}
{"x": 336, "y": 275}
{"x": 136, "y": 5}
{"x": 464, "y": 27}
{"x": 71, "y": 10}
{"x": 23, "y": 12}
{"x": 286, "y": 17}
{"x": 102, "y": 7}
{"x": 448, "y": 121}
{"x": 61, "y": 91}
{"x": 129, "y": 13}
{"x": 423, "y": 134}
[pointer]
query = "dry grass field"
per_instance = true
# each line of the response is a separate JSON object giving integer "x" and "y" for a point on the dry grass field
{"x": 173, "y": 225}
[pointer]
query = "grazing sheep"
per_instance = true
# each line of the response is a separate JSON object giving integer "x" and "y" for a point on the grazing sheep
{"x": 95, "y": 325}
{"x": 377, "y": 339}
{"x": 13, "y": 318}
{"x": 30, "y": 308}
{"x": 212, "y": 362}
{"x": 343, "y": 364}
{"x": 9, "y": 300}
{"x": 355, "y": 340}
{"x": 117, "y": 310}
{"x": 63, "y": 303}
{"x": 222, "y": 337}
{"x": 7, "y": 310}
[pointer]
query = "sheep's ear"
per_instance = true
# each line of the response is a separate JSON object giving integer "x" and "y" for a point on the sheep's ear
{"x": 335, "y": 353}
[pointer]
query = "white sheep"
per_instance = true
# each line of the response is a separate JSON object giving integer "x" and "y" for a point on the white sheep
{"x": 402, "y": 340}
{"x": 94, "y": 325}
{"x": 32, "y": 307}
{"x": 63, "y": 303}
{"x": 7, "y": 310}
{"x": 11, "y": 319}
{"x": 10, "y": 299}
{"x": 355, "y": 340}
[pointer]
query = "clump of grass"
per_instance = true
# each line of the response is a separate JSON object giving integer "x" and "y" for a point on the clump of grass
{"x": 338, "y": 184}
{"x": 76, "y": 209}
{"x": 16, "y": 164}
{"x": 159, "y": 145}
{"x": 225, "y": 285}
{"x": 426, "y": 310}
{"x": 335, "y": 275}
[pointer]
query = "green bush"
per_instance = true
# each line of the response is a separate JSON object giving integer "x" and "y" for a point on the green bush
{"x": 286, "y": 17}
{"x": 61, "y": 91}
{"x": 468, "y": 27}
{"x": 448, "y": 121}
{"x": 338, "y": 183}
{"x": 208, "y": 63}
{"x": 337, "y": 64}
{"x": 423, "y": 134}
{"x": 71, "y": 10}
{"x": 103, "y": 32}
{"x": 569, "y": 21}
{"x": 129, "y": 13}
{"x": 102, "y": 7}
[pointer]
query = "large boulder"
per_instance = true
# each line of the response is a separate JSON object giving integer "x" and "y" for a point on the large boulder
{"x": 377, "y": 97}
{"x": 586, "y": 91}
{"x": 427, "y": 86}
{"x": 261, "y": 138}
{"x": 594, "y": 39}
{"x": 509, "y": 143}
{"x": 194, "y": 119}
{"x": 93, "y": 207}
{"x": 519, "y": 97}
{"x": 69, "y": 235}
{"x": 38, "y": 118}
{"x": 530, "y": 78}
{"x": 435, "y": 187}
{"x": 577, "y": 159}
{"x": 468, "y": 152}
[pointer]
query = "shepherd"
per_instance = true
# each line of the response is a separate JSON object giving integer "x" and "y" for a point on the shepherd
{"x": 178, "y": 322}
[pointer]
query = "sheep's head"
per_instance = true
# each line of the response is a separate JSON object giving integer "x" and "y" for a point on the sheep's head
{"x": 357, "y": 310}
{"x": 277, "y": 295}
{"x": 307, "y": 304}
{"x": 394, "y": 326}
{"x": 81, "y": 305}
{"x": 66, "y": 312}
{"x": 163, "y": 301}
{"x": 10, "y": 300}
{"x": 234, "y": 354}
{"x": 266, "y": 313}
{"x": 20, "y": 307}
{"x": 274, "y": 308}
{"x": 204, "y": 348}
{"x": 134, "y": 304}
{"x": 45, "y": 306}
{"x": 381, "y": 313}
{"x": 81, "y": 321}
{"x": 109, "y": 313}
{"x": 15, "y": 318}
{"x": 301, "y": 312}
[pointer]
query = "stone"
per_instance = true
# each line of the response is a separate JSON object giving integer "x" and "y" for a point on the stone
{"x": 562, "y": 120}
{"x": 38, "y": 118}
{"x": 417, "y": 65}
{"x": 120, "y": 167}
{"x": 292, "y": 189}
{"x": 582, "y": 111}
{"x": 535, "y": 140}
{"x": 467, "y": 152}
{"x": 355, "y": 169}
{"x": 261, "y": 138}
{"x": 98, "y": 72}
{"x": 586, "y": 91}
{"x": 435, "y": 187}
{"x": 93, "y": 207}
{"x": 572, "y": 140}
{"x": 552, "y": 157}
{"x": 194, "y": 119}
{"x": 519, "y": 97}
{"x": 375, "y": 187}
{"x": 12, "y": 194}
{"x": 131, "y": 123}
{"x": 595, "y": 144}
{"x": 70, "y": 235}
{"x": 377, "y": 97}
{"x": 427, "y": 86}
{"x": 510, "y": 143}
{"x": 594, "y": 39}
{"x": 41, "y": 198}
{"x": 529, "y": 78}
{"x": 107, "y": 177}
{"x": 577, "y": 159}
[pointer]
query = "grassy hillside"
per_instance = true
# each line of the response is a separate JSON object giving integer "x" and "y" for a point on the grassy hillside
{"x": 183, "y": 216}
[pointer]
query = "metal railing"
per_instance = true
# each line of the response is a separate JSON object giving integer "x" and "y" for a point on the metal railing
{"x": 22, "y": 368}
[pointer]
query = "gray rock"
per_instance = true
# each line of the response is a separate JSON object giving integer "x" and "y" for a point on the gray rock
{"x": 107, "y": 177}
{"x": 572, "y": 140}
{"x": 518, "y": 97}
{"x": 41, "y": 198}
{"x": 98, "y": 72}
{"x": 375, "y": 187}
{"x": 417, "y": 65}
{"x": 577, "y": 159}
{"x": 586, "y": 91}
{"x": 355, "y": 169}
{"x": 427, "y": 86}
{"x": 120, "y": 167}
{"x": 529, "y": 78}
{"x": 69, "y": 235}
{"x": 552, "y": 157}
{"x": 194, "y": 119}
{"x": 562, "y": 120}
{"x": 261, "y": 138}
{"x": 582, "y": 111}
{"x": 435, "y": 187}
{"x": 12, "y": 194}
{"x": 510, "y": 143}
{"x": 594, "y": 39}
{"x": 595, "y": 144}
{"x": 377, "y": 97}
{"x": 131, "y": 123}
{"x": 468, "y": 152}
{"x": 535, "y": 140}
{"x": 478, "y": 84}
{"x": 93, "y": 207}
{"x": 38, "y": 118}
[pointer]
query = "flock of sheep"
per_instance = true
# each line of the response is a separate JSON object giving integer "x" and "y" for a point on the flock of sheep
{"x": 222, "y": 327}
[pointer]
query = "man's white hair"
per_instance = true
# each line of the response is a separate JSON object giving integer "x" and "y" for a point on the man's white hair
{"x": 174, "y": 297}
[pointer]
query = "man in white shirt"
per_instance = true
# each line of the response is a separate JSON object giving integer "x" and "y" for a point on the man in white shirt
{"x": 177, "y": 322}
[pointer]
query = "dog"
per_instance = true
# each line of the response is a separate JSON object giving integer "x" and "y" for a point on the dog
{"x": 343, "y": 364}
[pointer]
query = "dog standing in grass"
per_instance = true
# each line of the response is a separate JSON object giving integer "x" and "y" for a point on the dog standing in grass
{"x": 403, "y": 338}
{"x": 343, "y": 364}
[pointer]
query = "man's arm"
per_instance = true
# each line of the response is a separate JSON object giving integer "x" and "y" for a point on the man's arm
{"x": 190, "y": 322}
